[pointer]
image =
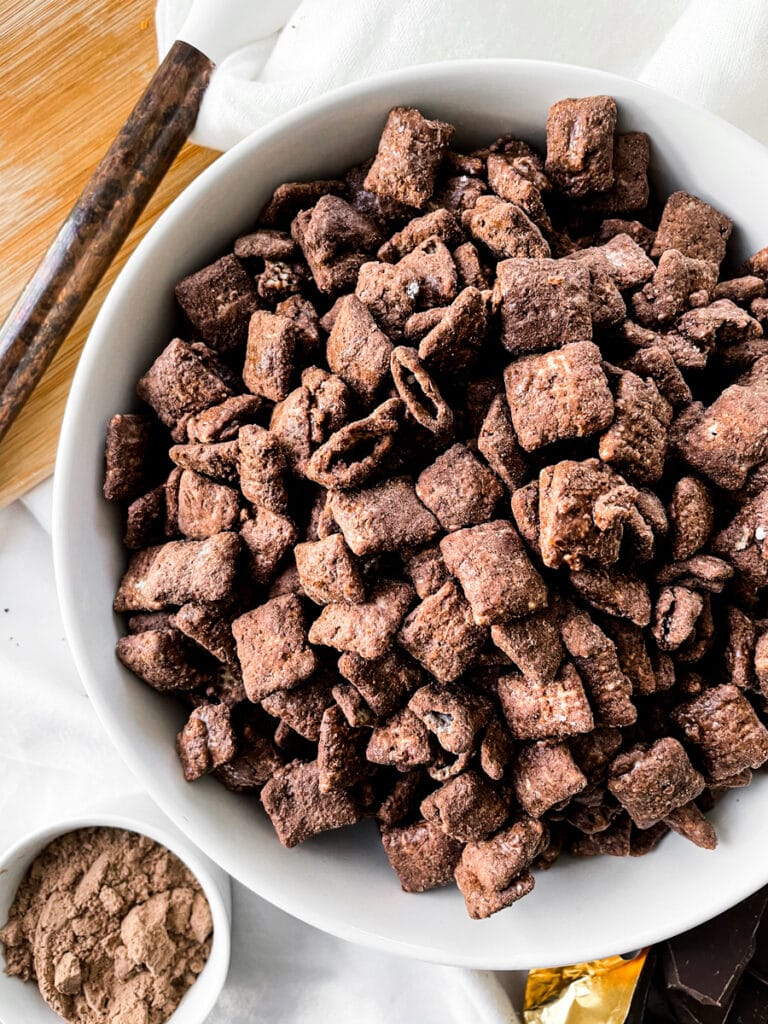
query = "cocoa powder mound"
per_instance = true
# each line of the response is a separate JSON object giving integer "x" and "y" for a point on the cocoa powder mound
{"x": 111, "y": 925}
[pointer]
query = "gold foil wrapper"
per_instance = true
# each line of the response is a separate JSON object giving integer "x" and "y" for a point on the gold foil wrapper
{"x": 598, "y": 992}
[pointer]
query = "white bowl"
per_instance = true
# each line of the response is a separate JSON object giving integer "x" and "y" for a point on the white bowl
{"x": 341, "y": 881}
{"x": 21, "y": 1003}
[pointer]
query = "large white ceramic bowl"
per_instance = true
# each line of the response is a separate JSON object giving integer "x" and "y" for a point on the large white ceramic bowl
{"x": 341, "y": 882}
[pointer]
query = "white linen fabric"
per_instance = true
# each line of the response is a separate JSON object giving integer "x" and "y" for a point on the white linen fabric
{"x": 56, "y": 761}
{"x": 709, "y": 52}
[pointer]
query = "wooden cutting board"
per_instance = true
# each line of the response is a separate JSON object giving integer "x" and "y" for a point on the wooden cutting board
{"x": 71, "y": 72}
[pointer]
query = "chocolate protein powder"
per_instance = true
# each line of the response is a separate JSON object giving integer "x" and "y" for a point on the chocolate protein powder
{"x": 111, "y": 925}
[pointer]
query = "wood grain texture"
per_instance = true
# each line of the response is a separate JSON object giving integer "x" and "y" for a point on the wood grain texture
{"x": 72, "y": 71}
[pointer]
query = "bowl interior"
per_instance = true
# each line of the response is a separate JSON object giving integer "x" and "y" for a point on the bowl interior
{"x": 341, "y": 882}
{"x": 22, "y": 1003}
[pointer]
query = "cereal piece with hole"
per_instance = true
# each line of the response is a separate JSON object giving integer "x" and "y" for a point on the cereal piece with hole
{"x": 652, "y": 782}
{"x": 580, "y": 144}
{"x": 272, "y": 647}
{"x": 402, "y": 742}
{"x": 383, "y": 683}
{"x": 466, "y": 807}
{"x": 340, "y": 763}
{"x": 419, "y": 392}
{"x": 730, "y": 437}
{"x": 724, "y": 728}
{"x": 222, "y": 422}
{"x": 126, "y": 450}
{"x": 299, "y": 810}
{"x": 595, "y": 657}
{"x": 543, "y": 775}
{"x": 366, "y": 628}
{"x": 636, "y": 441}
{"x": 218, "y": 301}
{"x": 206, "y": 742}
{"x": 583, "y": 508}
{"x": 359, "y": 450}
{"x": 179, "y": 384}
{"x": 558, "y": 395}
{"x": 385, "y": 517}
{"x": 457, "y": 338}
{"x": 357, "y": 350}
{"x": 328, "y": 571}
{"x": 458, "y": 489}
{"x": 335, "y": 240}
{"x": 270, "y": 357}
{"x": 455, "y": 715}
{"x": 504, "y": 229}
{"x": 441, "y": 634}
{"x": 693, "y": 227}
{"x": 533, "y": 644}
{"x": 267, "y": 538}
{"x": 543, "y": 710}
{"x": 409, "y": 154}
{"x": 496, "y": 575}
{"x": 421, "y": 854}
{"x": 205, "y": 507}
{"x": 542, "y": 303}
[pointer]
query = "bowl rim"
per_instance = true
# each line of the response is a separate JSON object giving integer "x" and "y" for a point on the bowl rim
{"x": 65, "y": 570}
{"x": 196, "y": 1004}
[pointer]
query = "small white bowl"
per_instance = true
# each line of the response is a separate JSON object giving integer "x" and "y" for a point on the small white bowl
{"x": 21, "y": 1002}
{"x": 341, "y": 881}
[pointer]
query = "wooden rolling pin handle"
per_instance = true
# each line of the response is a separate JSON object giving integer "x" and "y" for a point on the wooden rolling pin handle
{"x": 98, "y": 224}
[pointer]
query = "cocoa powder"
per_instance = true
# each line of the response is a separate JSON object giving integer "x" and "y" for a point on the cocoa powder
{"x": 111, "y": 925}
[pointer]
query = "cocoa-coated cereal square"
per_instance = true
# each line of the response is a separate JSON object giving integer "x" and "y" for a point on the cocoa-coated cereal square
{"x": 127, "y": 446}
{"x": 421, "y": 854}
{"x": 457, "y": 338}
{"x": 595, "y": 657}
{"x": 458, "y": 489}
{"x": 270, "y": 358}
{"x": 558, "y": 395}
{"x": 179, "y": 384}
{"x": 366, "y": 628}
{"x": 263, "y": 468}
{"x": 218, "y": 301}
{"x": 383, "y": 683}
{"x": 505, "y": 230}
{"x": 724, "y": 728}
{"x": 533, "y": 643}
{"x": 357, "y": 350}
{"x": 543, "y": 304}
{"x": 496, "y": 575}
{"x": 636, "y": 442}
{"x": 164, "y": 659}
{"x": 298, "y": 808}
{"x": 466, "y": 807}
{"x": 272, "y": 647}
{"x": 267, "y": 538}
{"x": 545, "y": 774}
{"x": 481, "y": 901}
{"x": 207, "y": 741}
{"x": 441, "y": 633}
{"x": 339, "y": 759}
{"x": 328, "y": 571}
{"x": 410, "y": 150}
{"x": 630, "y": 189}
{"x": 694, "y": 227}
{"x": 427, "y": 570}
{"x": 649, "y": 783}
{"x": 496, "y": 862}
{"x": 580, "y": 144}
{"x": 455, "y": 714}
{"x": 542, "y": 710}
{"x": 402, "y": 742}
{"x": 385, "y": 517}
{"x": 205, "y": 507}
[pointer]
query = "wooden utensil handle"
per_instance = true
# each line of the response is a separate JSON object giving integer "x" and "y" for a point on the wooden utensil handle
{"x": 98, "y": 224}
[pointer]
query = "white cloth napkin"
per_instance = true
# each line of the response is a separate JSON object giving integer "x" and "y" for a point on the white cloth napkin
{"x": 57, "y": 761}
{"x": 710, "y": 52}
